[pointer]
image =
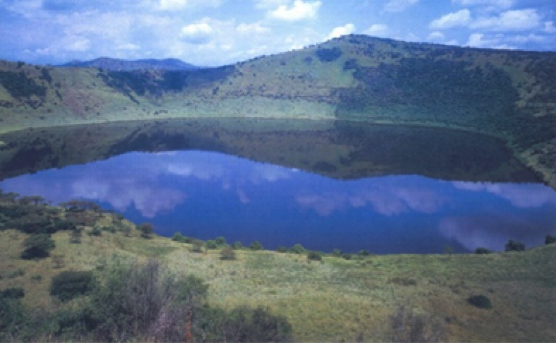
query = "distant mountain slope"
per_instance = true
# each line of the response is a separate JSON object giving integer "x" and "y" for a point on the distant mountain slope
{"x": 126, "y": 65}
{"x": 503, "y": 93}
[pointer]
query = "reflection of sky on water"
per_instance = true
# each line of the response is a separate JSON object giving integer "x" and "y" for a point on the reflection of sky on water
{"x": 206, "y": 195}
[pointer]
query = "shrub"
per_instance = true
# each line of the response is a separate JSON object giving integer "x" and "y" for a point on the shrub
{"x": 12, "y": 293}
{"x": 237, "y": 245}
{"x": 347, "y": 256}
{"x": 210, "y": 244}
{"x": 37, "y": 246}
{"x": 513, "y": 245}
{"x": 480, "y": 301}
{"x": 227, "y": 253}
{"x": 197, "y": 246}
{"x": 71, "y": 284}
{"x": 328, "y": 55}
{"x": 256, "y": 246}
{"x": 145, "y": 300}
{"x": 243, "y": 324}
{"x": 482, "y": 251}
{"x": 549, "y": 239}
{"x": 95, "y": 232}
{"x": 75, "y": 236}
{"x": 336, "y": 253}
{"x": 298, "y": 249}
{"x": 221, "y": 241}
{"x": 314, "y": 256}
{"x": 282, "y": 249}
{"x": 178, "y": 237}
{"x": 146, "y": 230}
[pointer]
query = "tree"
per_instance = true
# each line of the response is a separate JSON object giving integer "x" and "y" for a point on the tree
{"x": 146, "y": 230}
{"x": 549, "y": 239}
{"x": 37, "y": 246}
{"x": 256, "y": 246}
{"x": 513, "y": 245}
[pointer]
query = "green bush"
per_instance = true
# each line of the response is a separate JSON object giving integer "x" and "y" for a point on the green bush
{"x": 482, "y": 251}
{"x": 37, "y": 246}
{"x": 549, "y": 239}
{"x": 480, "y": 301}
{"x": 237, "y": 245}
{"x": 71, "y": 284}
{"x": 221, "y": 241}
{"x": 12, "y": 293}
{"x": 336, "y": 253}
{"x": 95, "y": 232}
{"x": 282, "y": 249}
{"x": 256, "y": 246}
{"x": 178, "y": 237}
{"x": 210, "y": 244}
{"x": 146, "y": 230}
{"x": 314, "y": 256}
{"x": 513, "y": 245}
{"x": 298, "y": 249}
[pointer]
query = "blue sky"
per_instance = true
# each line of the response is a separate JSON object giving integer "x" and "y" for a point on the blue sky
{"x": 217, "y": 32}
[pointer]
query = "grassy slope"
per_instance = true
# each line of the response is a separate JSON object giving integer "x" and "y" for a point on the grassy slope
{"x": 333, "y": 300}
{"x": 508, "y": 94}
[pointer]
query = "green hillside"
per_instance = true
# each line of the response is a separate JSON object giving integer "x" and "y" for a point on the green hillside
{"x": 506, "y": 94}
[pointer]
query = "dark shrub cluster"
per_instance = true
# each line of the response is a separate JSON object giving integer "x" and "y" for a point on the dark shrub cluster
{"x": 482, "y": 251}
{"x": 71, "y": 284}
{"x": 328, "y": 55}
{"x": 513, "y": 245}
{"x": 480, "y": 301}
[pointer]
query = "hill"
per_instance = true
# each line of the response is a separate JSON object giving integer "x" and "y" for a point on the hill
{"x": 126, "y": 65}
{"x": 325, "y": 298}
{"x": 502, "y": 93}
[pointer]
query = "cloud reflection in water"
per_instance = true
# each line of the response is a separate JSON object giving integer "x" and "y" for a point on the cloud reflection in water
{"x": 214, "y": 194}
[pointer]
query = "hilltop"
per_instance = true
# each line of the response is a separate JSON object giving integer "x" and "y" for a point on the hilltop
{"x": 126, "y": 65}
{"x": 502, "y": 93}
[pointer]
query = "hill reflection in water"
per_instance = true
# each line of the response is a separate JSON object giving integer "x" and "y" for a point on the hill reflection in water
{"x": 207, "y": 194}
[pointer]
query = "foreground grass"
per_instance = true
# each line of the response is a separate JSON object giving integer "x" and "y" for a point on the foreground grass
{"x": 331, "y": 300}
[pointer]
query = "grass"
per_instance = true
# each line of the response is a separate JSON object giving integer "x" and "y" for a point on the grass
{"x": 335, "y": 299}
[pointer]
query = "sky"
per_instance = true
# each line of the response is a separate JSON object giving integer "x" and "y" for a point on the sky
{"x": 218, "y": 32}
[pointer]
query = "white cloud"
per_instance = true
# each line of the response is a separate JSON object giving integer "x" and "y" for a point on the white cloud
{"x": 298, "y": 11}
{"x": 341, "y": 31}
{"x": 549, "y": 27}
{"x": 269, "y": 4}
{"x": 436, "y": 36}
{"x": 377, "y": 30}
{"x": 196, "y": 33}
{"x": 496, "y": 3}
{"x": 398, "y": 5}
{"x": 480, "y": 40}
{"x": 513, "y": 20}
{"x": 456, "y": 19}
{"x": 81, "y": 44}
{"x": 174, "y": 5}
{"x": 252, "y": 28}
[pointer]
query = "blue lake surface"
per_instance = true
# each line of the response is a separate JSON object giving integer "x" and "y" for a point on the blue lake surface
{"x": 208, "y": 194}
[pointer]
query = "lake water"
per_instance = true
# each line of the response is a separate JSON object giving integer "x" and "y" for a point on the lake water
{"x": 323, "y": 185}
